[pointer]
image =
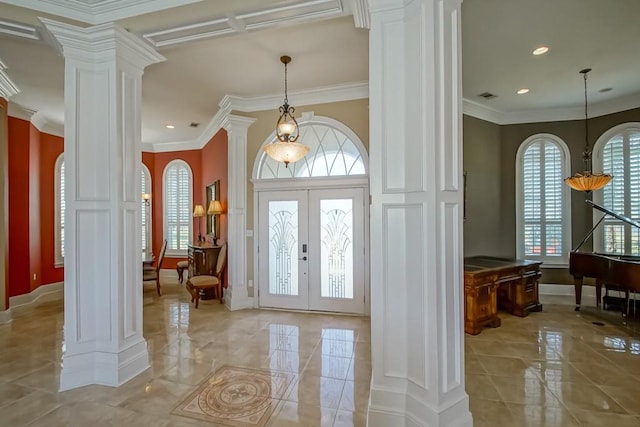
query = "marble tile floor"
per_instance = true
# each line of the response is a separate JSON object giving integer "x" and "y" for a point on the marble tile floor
{"x": 554, "y": 368}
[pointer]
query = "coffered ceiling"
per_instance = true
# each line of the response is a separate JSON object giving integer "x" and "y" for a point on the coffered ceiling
{"x": 232, "y": 47}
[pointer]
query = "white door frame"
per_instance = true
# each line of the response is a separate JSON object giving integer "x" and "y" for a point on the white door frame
{"x": 327, "y": 183}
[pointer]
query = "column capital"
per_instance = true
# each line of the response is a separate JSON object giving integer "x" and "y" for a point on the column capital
{"x": 232, "y": 123}
{"x": 7, "y": 87}
{"x": 100, "y": 42}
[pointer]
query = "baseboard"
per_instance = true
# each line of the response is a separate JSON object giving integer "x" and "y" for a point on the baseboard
{"x": 53, "y": 291}
{"x": 5, "y": 316}
{"x": 565, "y": 290}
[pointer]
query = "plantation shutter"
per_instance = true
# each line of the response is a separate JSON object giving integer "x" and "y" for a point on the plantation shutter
{"x": 542, "y": 200}
{"x": 143, "y": 211}
{"x": 621, "y": 158}
{"x": 178, "y": 206}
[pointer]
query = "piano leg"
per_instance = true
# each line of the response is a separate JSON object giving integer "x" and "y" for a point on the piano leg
{"x": 577, "y": 283}
{"x": 625, "y": 310}
{"x": 598, "y": 292}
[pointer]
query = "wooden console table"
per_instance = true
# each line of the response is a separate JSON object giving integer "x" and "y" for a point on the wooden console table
{"x": 491, "y": 283}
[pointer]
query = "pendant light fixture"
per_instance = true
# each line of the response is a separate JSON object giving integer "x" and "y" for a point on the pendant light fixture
{"x": 587, "y": 181}
{"x": 286, "y": 149}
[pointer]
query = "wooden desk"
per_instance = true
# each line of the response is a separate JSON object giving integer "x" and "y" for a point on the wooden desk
{"x": 491, "y": 283}
{"x": 202, "y": 259}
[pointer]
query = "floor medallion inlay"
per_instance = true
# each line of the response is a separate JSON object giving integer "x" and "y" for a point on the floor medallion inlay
{"x": 236, "y": 397}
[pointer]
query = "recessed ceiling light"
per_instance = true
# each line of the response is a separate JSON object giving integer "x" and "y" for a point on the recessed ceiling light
{"x": 523, "y": 91}
{"x": 541, "y": 50}
{"x": 170, "y": 126}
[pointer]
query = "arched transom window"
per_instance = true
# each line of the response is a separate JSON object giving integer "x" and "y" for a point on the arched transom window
{"x": 334, "y": 151}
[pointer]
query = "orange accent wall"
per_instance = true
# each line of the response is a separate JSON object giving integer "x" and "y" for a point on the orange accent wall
{"x": 4, "y": 169}
{"x": 35, "y": 238}
{"x": 214, "y": 167}
{"x": 19, "y": 253}
{"x": 50, "y": 148}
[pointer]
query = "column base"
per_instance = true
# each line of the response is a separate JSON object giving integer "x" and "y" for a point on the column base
{"x": 397, "y": 408}
{"x": 104, "y": 368}
{"x": 237, "y": 299}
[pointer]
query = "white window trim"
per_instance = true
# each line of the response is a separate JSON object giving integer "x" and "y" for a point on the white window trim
{"x": 58, "y": 258}
{"x": 174, "y": 252}
{"x": 149, "y": 219}
{"x": 597, "y": 163}
{"x": 562, "y": 261}
{"x": 308, "y": 118}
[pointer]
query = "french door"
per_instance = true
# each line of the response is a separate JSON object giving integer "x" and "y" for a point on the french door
{"x": 311, "y": 250}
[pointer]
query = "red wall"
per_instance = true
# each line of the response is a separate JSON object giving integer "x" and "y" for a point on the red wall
{"x": 50, "y": 148}
{"x": 214, "y": 167}
{"x": 4, "y": 169}
{"x": 19, "y": 253}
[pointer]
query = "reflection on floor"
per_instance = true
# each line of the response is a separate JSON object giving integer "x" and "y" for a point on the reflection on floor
{"x": 553, "y": 368}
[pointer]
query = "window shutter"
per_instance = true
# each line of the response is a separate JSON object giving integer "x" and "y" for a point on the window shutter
{"x": 621, "y": 158}
{"x": 542, "y": 202}
{"x": 178, "y": 206}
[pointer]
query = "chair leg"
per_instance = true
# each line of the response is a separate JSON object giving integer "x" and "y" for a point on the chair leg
{"x": 196, "y": 295}
{"x": 179, "y": 270}
{"x": 158, "y": 284}
{"x": 220, "y": 292}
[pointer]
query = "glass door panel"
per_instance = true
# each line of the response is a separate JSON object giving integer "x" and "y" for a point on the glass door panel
{"x": 282, "y": 267}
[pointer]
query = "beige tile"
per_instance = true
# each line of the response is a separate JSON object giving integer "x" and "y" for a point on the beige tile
{"x": 599, "y": 419}
{"x": 350, "y": 419}
{"x": 507, "y": 366}
{"x": 527, "y": 390}
{"x": 159, "y": 397}
{"x": 355, "y": 397}
{"x": 29, "y": 408}
{"x": 293, "y": 414}
{"x": 359, "y": 370}
{"x": 328, "y": 366}
{"x": 10, "y": 393}
{"x": 473, "y": 365}
{"x": 628, "y": 397}
{"x": 541, "y": 416}
{"x": 606, "y": 374}
{"x": 584, "y": 396}
{"x": 481, "y": 386}
{"x": 491, "y": 413}
{"x": 316, "y": 391}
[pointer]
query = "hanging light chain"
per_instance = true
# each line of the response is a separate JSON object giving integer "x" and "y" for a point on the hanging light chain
{"x": 586, "y": 154}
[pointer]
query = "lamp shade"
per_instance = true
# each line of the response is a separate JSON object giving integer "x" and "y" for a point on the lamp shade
{"x": 215, "y": 207}
{"x": 198, "y": 210}
{"x": 587, "y": 181}
{"x": 286, "y": 152}
{"x": 146, "y": 196}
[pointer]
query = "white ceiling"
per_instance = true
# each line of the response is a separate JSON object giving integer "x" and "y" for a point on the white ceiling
{"x": 242, "y": 41}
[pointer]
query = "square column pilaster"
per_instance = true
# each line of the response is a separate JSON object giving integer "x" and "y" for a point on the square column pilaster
{"x": 416, "y": 215}
{"x": 237, "y": 296}
{"x": 102, "y": 154}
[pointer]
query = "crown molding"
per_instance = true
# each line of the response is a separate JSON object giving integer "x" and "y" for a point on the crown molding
{"x": 98, "y": 12}
{"x": 322, "y": 95}
{"x": 7, "y": 87}
{"x": 37, "y": 119}
{"x": 360, "y": 10}
{"x": 474, "y": 109}
{"x": 297, "y": 12}
{"x": 20, "y": 30}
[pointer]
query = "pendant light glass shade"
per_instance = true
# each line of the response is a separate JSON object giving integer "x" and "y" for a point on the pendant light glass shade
{"x": 587, "y": 181}
{"x": 286, "y": 149}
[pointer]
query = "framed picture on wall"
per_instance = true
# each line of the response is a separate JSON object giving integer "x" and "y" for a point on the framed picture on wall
{"x": 213, "y": 193}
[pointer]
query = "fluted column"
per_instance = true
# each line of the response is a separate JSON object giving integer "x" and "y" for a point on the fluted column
{"x": 237, "y": 296}
{"x": 103, "y": 256}
{"x": 416, "y": 215}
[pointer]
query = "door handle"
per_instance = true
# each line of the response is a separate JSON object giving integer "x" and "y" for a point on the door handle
{"x": 304, "y": 248}
{"x": 304, "y": 258}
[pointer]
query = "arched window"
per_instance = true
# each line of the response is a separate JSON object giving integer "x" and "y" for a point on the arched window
{"x": 178, "y": 187}
{"x": 543, "y": 200}
{"x": 334, "y": 150}
{"x": 145, "y": 187}
{"x": 58, "y": 179}
{"x": 617, "y": 152}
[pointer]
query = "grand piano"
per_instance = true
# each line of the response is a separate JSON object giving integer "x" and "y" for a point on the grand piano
{"x": 617, "y": 271}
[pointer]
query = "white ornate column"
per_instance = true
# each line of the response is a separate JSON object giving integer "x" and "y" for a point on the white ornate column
{"x": 416, "y": 215}
{"x": 102, "y": 149}
{"x": 237, "y": 296}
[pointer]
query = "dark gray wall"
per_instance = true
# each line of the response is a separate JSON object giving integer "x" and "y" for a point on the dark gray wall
{"x": 498, "y": 167}
{"x": 482, "y": 162}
